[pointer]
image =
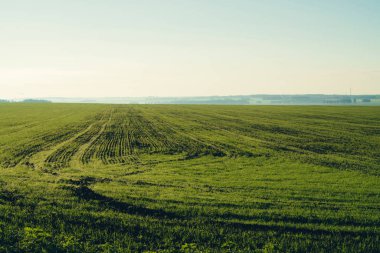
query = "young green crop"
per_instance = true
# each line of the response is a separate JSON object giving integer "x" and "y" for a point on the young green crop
{"x": 189, "y": 178}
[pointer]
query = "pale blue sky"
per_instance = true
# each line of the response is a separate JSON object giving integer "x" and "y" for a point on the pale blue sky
{"x": 97, "y": 48}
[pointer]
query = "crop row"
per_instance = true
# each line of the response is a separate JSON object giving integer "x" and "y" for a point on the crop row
{"x": 129, "y": 134}
{"x": 62, "y": 156}
{"x": 17, "y": 153}
{"x": 124, "y": 133}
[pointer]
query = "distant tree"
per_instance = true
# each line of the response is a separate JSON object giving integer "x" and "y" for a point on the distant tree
{"x": 35, "y": 101}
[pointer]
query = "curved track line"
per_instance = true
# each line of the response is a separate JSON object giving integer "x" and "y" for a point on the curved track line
{"x": 77, "y": 158}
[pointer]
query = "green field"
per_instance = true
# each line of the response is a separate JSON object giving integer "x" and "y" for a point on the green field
{"x": 189, "y": 178}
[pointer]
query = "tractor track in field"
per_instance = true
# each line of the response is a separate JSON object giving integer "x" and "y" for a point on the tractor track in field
{"x": 39, "y": 159}
{"x": 80, "y": 154}
{"x": 62, "y": 153}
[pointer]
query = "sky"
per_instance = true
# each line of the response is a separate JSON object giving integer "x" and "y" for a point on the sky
{"x": 133, "y": 48}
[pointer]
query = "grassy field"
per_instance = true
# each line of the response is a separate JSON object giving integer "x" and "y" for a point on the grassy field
{"x": 176, "y": 178}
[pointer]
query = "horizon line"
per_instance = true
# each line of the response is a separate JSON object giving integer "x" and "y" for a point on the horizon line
{"x": 195, "y": 96}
